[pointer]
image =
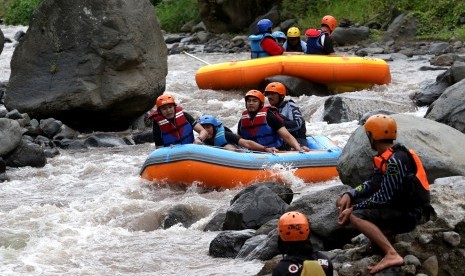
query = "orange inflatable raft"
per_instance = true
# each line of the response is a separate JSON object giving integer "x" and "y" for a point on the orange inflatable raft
{"x": 211, "y": 167}
{"x": 339, "y": 73}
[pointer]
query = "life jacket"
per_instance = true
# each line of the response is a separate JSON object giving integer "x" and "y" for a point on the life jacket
{"x": 258, "y": 130}
{"x": 315, "y": 40}
{"x": 312, "y": 268}
{"x": 181, "y": 132}
{"x": 256, "y": 50}
{"x": 299, "y": 47}
{"x": 416, "y": 186}
{"x": 220, "y": 138}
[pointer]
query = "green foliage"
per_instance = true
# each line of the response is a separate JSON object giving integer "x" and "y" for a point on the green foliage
{"x": 173, "y": 14}
{"x": 18, "y": 12}
{"x": 438, "y": 19}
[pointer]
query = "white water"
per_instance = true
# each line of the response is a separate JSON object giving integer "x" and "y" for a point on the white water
{"x": 89, "y": 213}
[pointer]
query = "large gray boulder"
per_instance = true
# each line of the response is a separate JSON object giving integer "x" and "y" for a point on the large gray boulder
{"x": 439, "y": 147}
{"x": 10, "y": 135}
{"x": 92, "y": 64}
{"x": 232, "y": 16}
{"x": 449, "y": 108}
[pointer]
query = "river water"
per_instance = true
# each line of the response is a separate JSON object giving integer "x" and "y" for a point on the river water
{"x": 89, "y": 213}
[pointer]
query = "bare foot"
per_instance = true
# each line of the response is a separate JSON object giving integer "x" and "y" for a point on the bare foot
{"x": 388, "y": 261}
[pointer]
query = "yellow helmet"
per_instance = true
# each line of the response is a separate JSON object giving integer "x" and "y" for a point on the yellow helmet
{"x": 381, "y": 127}
{"x": 293, "y": 32}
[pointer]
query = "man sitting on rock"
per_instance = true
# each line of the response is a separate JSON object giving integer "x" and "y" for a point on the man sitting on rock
{"x": 394, "y": 200}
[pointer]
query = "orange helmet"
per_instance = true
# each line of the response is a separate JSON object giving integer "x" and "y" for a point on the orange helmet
{"x": 329, "y": 21}
{"x": 293, "y": 32}
{"x": 293, "y": 226}
{"x": 381, "y": 127}
{"x": 164, "y": 100}
{"x": 256, "y": 94}
{"x": 276, "y": 87}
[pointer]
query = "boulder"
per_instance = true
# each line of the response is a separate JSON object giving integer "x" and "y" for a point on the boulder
{"x": 10, "y": 135}
{"x": 350, "y": 35}
{"x": 97, "y": 68}
{"x": 439, "y": 147}
{"x": 348, "y": 107}
{"x": 26, "y": 154}
{"x": 449, "y": 108}
{"x": 2, "y": 42}
{"x": 231, "y": 16}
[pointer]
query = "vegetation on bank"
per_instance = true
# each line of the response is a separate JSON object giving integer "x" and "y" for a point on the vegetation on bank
{"x": 438, "y": 19}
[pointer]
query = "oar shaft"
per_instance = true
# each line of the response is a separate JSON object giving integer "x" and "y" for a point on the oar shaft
{"x": 197, "y": 58}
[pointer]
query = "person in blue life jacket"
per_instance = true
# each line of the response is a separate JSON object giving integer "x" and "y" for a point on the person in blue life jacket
{"x": 319, "y": 41}
{"x": 263, "y": 124}
{"x": 280, "y": 37}
{"x": 294, "y": 243}
{"x": 263, "y": 44}
{"x": 289, "y": 111}
{"x": 221, "y": 136}
{"x": 171, "y": 125}
{"x": 394, "y": 200}
{"x": 293, "y": 43}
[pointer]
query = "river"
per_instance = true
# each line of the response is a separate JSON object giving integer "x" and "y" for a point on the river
{"x": 88, "y": 212}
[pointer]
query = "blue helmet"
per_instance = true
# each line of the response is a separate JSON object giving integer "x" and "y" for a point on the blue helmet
{"x": 279, "y": 34}
{"x": 209, "y": 119}
{"x": 264, "y": 25}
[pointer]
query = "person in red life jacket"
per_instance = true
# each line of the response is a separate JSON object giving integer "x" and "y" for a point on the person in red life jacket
{"x": 294, "y": 243}
{"x": 263, "y": 124}
{"x": 289, "y": 111}
{"x": 221, "y": 136}
{"x": 394, "y": 200}
{"x": 263, "y": 44}
{"x": 319, "y": 41}
{"x": 293, "y": 44}
{"x": 171, "y": 125}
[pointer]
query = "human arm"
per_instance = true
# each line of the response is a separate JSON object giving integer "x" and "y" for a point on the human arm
{"x": 251, "y": 145}
{"x": 270, "y": 46}
{"x": 156, "y": 132}
{"x": 390, "y": 186}
{"x": 293, "y": 119}
{"x": 202, "y": 134}
{"x": 288, "y": 138}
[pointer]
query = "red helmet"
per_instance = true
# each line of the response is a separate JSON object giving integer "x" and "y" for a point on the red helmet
{"x": 329, "y": 21}
{"x": 276, "y": 87}
{"x": 381, "y": 127}
{"x": 293, "y": 226}
{"x": 256, "y": 94}
{"x": 164, "y": 100}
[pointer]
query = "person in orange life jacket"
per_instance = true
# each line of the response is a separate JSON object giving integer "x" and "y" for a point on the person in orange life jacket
{"x": 319, "y": 41}
{"x": 261, "y": 124}
{"x": 174, "y": 126}
{"x": 294, "y": 243}
{"x": 280, "y": 37}
{"x": 294, "y": 44}
{"x": 396, "y": 197}
{"x": 221, "y": 136}
{"x": 289, "y": 111}
{"x": 263, "y": 44}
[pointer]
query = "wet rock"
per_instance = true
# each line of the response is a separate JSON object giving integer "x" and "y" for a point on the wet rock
{"x": 10, "y": 135}
{"x": 26, "y": 154}
{"x": 104, "y": 140}
{"x": 228, "y": 244}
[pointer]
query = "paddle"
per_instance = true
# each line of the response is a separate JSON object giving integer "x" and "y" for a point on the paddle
{"x": 194, "y": 57}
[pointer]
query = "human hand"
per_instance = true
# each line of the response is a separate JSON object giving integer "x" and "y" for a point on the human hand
{"x": 344, "y": 217}
{"x": 198, "y": 141}
{"x": 343, "y": 202}
{"x": 272, "y": 150}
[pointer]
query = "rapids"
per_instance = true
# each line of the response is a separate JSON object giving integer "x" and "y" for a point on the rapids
{"x": 88, "y": 212}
